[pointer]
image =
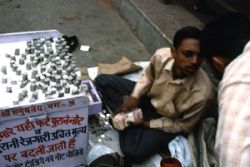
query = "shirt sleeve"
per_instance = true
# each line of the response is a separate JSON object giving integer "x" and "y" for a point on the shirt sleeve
{"x": 185, "y": 123}
{"x": 144, "y": 84}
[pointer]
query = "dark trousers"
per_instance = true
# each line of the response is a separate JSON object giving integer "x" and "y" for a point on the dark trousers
{"x": 137, "y": 143}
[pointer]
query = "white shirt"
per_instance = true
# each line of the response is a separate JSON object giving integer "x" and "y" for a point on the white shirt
{"x": 233, "y": 131}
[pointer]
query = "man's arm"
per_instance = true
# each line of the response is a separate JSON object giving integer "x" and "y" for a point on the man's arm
{"x": 144, "y": 84}
{"x": 142, "y": 87}
{"x": 128, "y": 104}
{"x": 185, "y": 123}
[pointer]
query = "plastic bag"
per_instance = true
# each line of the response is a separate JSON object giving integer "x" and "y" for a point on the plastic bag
{"x": 97, "y": 151}
{"x": 180, "y": 150}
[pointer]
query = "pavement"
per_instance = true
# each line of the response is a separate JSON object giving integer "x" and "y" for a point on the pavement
{"x": 95, "y": 22}
{"x": 112, "y": 29}
{"x": 153, "y": 21}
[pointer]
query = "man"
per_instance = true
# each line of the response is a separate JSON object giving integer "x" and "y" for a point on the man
{"x": 173, "y": 94}
{"x": 225, "y": 42}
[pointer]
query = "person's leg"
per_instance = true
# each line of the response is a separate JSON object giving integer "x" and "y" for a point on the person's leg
{"x": 112, "y": 89}
{"x": 139, "y": 143}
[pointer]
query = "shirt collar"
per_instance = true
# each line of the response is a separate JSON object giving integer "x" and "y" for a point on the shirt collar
{"x": 186, "y": 82}
{"x": 169, "y": 65}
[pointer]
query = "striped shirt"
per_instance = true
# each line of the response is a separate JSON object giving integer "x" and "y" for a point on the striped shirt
{"x": 233, "y": 131}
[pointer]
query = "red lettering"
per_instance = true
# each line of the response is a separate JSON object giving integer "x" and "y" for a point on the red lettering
{"x": 10, "y": 157}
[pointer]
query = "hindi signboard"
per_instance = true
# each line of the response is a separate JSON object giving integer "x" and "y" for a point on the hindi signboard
{"x": 47, "y": 134}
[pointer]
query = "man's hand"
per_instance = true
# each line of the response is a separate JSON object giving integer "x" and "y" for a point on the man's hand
{"x": 128, "y": 104}
{"x": 140, "y": 122}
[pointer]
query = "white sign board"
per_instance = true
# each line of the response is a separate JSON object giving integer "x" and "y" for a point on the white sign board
{"x": 48, "y": 134}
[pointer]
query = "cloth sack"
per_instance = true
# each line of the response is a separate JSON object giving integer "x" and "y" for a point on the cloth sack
{"x": 201, "y": 144}
{"x": 123, "y": 66}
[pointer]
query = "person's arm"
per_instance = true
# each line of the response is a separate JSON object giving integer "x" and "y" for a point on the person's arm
{"x": 142, "y": 87}
{"x": 144, "y": 84}
{"x": 175, "y": 125}
{"x": 128, "y": 104}
{"x": 141, "y": 122}
{"x": 185, "y": 123}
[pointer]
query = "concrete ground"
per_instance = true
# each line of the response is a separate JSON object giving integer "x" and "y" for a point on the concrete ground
{"x": 112, "y": 28}
{"x": 155, "y": 21}
{"x": 94, "y": 22}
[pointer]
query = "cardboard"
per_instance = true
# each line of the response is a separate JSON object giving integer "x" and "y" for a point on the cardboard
{"x": 121, "y": 67}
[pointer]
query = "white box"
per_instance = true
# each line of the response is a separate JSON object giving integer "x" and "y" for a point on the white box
{"x": 95, "y": 104}
{"x": 45, "y": 132}
{"x": 8, "y": 43}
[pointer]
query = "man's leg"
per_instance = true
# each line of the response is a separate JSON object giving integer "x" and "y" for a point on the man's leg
{"x": 112, "y": 89}
{"x": 139, "y": 143}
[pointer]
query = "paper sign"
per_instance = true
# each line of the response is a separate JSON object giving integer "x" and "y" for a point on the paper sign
{"x": 85, "y": 48}
{"x": 59, "y": 139}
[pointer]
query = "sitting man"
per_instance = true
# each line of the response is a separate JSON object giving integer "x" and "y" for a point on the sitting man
{"x": 172, "y": 94}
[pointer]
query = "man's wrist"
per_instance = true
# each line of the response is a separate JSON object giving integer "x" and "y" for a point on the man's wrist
{"x": 146, "y": 124}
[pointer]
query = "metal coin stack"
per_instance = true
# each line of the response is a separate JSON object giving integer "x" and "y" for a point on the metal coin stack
{"x": 46, "y": 66}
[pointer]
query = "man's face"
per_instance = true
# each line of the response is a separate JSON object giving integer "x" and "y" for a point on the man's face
{"x": 187, "y": 58}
